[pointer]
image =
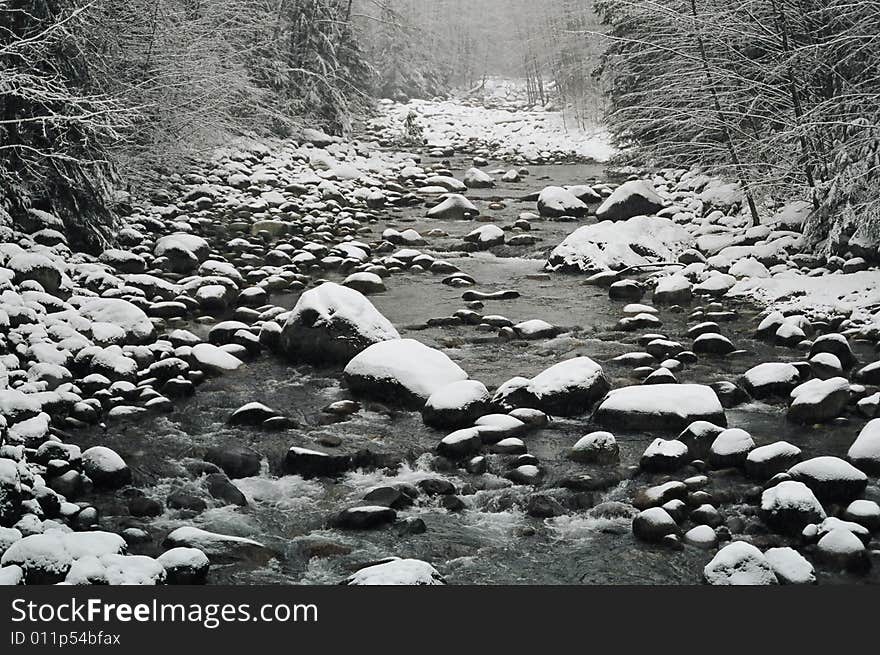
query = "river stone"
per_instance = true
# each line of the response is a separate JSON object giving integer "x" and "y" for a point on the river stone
{"x": 403, "y": 371}
{"x": 185, "y": 566}
{"x": 701, "y": 536}
{"x": 699, "y": 437}
{"x": 453, "y": 207}
{"x": 790, "y": 506}
{"x": 770, "y": 379}
{"x": 456, "y": 405}
{"x": 10, "y": 492}
{"x": 660, "y": 407}
{"x": 673, "y": 290}
{"x": 365, "y": 517}
{"x": 713, "y": 344}
{"x": 653, "y": 524}
{"x": 333, "y": 323}
{"x": 837, "y": 345}
{"x": 46, "y": 558}
{"x": 818, "y": 401}
{"x": 219, "y": 548}
{"x": 253, "y": 413}
{"x": 830, "y": 478}
{"x": 739, "y": 563}
{"x": 569, "y": 388}
{"x": 841, "y": 548}
{"x": 790, "y": 567}
{"x": 664, "y": 456}
{"x": 865, "y": 450}
{"x": 764, "y": 462}
{"x": 236, "y": 461}
{"x": 555, "y": 201}
{"x": 633, "y": 198}
{"x": 730, "y": 448}
{"x": 864, "y": 512}
{"x": 461, "y": 443}
{"x": 660, "y": 494}
{"x": 105, "y": 467}
{"x": 396, "y": 572}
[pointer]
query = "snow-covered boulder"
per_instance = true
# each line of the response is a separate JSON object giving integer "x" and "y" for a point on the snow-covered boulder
{"x": 790, "y": 566}
{"x": 185, "y": 565}
{"x": 130, "y": 318}
{"x": 739, "y": 563}
{"x": 46, "y": 558}
{"x": 842, "y": 549}
{"x": 38, "y": 268}
{"x": 404, "y": 371}
{"x": 613, "y": 245}
{"x": 218, "y": 547}
{"x": 568, "y": 388}
{"x": 633, "y": 198}
{"x": 10, "y": 492}
{"x": 764, "y": 462}
{"x": 653, "y": 524}
{"x": 214, "y": 360}
{"x": 396, "y": 572}
{"x": 699, "y": 437}
{"x": 595, "y": 448}
{"x": 474, "y": 178}
{"x": 453, "y": 207}
{"x": 660, "y": 407}
{"x": 664, "y": 455}
{"x": 830, "y": 478}
{"x": 770, "y": 379}
{"x": 364, "y": 282}
{"x": 817, "y": 401}
{"x": 105, "y": 467}
{"x": 333, "y": 323}
{"x": 113, "y": 569}
{"x": 865, "y": 450}
{"x": 673, "y": 290}
{"x": 863, "y": 512}
{"x": 555, "y": 201}
{"x": 457, "y": 404}
{"x": 790, "y": 506}
{"x": 183, "y": 251}
{"x": 730, "y": 448}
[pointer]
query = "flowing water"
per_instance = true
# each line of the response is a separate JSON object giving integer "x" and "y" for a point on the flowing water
{"x": 493, "y": 540}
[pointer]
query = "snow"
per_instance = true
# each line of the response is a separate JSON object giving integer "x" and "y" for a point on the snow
{"x": 397, "y": 572}
{"x": 739, "y": 563}
{"x": 841, "y": 542}
{"x": 183, "y": 557}
{"x": 612, "y": 245}
{"x": 827, "y": 469}
{"x": 419, "y": 369}
{"x": 521, "y": 132}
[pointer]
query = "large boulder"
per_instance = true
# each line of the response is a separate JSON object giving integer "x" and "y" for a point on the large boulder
{"x": 453, "y": 207}
{"x": 105, "y": 467}
{"x": 403, "y": 371}
{"x": 568, "y": 388}
{"x": 183, "y": 251}
{"x": 633, "y": 198}
{"x": 332, "y": 324}
{"x": 830, "y": 478}
{"x": 614, "y": 246}
{"x": 660, "y": 407}
{"x": 770, "y": 379}
{"x": 46, "y": 558}
{"x": 135, "y": 323}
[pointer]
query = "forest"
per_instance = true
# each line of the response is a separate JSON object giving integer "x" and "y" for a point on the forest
{"x": 780, "y": 95}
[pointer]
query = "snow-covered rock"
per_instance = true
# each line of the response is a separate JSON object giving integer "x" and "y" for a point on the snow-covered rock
{"x": 830, "y": 478}
{"x": 633, "y": 198}
{"x": 397, "y": 572}
{"x": 764, "y": 462}
{"x": 790, "y": 506}
{"x": 595, "y": 448}
{"x": 105, "y": 467}
{"x": 218, "y": 547}
{"x": 47, "y": 557}
{"x": 790, "y": 566}
{"x": 610, "y": 245}
{"x": 183, "y": 251}
{"x": 653, "y": 524}
{"x": 660, "y": 407}
{"x": 401, "y": 370}
{"x": 132, "y": 319}
{"x": 568, "y": 388}
{"x": 456, "y": 405}
{"x": 730, "y": 448}
{"x": 739, "y": 563}
{"x": 770, "y": 379}
{"x": 113, "y": 569}
{"x": 185, "y": 565}
{"x": 817, "y": 401}
{"x": 333, "y": 323}
{"x": 865, "y": 450}
{"x": 214, "y": 360}
{"x": 454, "y": 207}
{"x": 555, "y": 201}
